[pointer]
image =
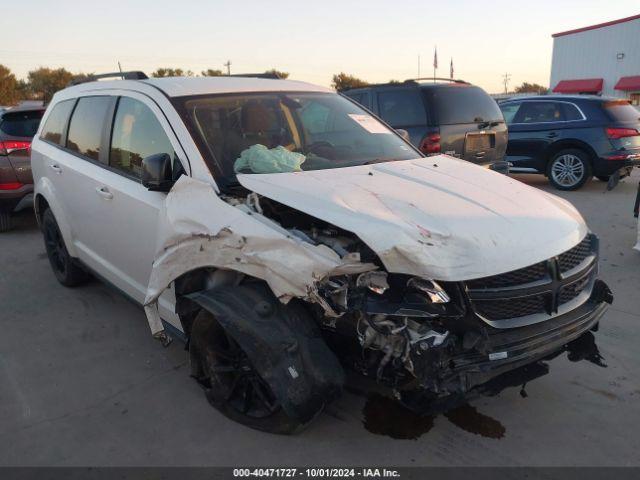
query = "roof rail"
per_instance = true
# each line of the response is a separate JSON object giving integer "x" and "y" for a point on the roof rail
{"x": 133, "y": 75}
{"x": 436, "y": 79}
{"x": 410, "y": 80}
{"x": 272, "y": 76}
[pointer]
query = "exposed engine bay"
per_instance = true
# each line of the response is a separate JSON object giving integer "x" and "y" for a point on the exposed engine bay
{"x": 394, "y": 318}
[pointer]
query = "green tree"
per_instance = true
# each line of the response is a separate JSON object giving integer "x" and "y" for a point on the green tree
{"x": 531, "y": 88}
{"x": 172, "y": 72}
{"x": 278, "y": 73}
{"x": 44, "y": 82}
{"x": 8, "y": 87}
{"x": 343, "y": 81}
{"x": 210, "y": 72}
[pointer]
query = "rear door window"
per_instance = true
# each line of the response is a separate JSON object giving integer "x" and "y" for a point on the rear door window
{"x": 21, "y": 124}
{"x": 56, "y": 123}
{"x": 539, "y": 112}
{"x": 137, "y": 134}
{"x": 456, "y": 104}
{"x": 87, "y": 125}
{"x": 402, "y": 107}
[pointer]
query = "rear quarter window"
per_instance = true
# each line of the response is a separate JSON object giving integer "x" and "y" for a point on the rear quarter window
{"x": 53, "y": 128}
{"x": 621, "y": 111}
{"x": 461, "y": 104}
{"x": 402, "y": 108}
{"x": 21, "y": 124}
{"x": 509, "y": 111}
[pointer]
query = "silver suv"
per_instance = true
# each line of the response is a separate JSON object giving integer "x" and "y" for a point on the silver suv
{"x": 286, "y": 234}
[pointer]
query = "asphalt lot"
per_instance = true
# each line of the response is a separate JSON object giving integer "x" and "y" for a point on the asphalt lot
{"x": 83, "y": 383}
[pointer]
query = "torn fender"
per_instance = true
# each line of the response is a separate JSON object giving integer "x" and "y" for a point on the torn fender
{"x": 198, "y": 229}
{"x": 283, "y": 343}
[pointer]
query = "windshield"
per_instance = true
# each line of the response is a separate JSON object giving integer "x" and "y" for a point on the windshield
{"x": 285, "y": 132}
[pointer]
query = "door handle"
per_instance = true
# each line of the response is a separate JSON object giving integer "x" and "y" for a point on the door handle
{"x": 104, "y": 193}
{"x": 56, "y": 168}
{"x": 552, "y": 135}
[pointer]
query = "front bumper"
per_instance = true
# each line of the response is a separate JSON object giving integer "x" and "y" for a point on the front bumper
{"x": 506, "y": 350}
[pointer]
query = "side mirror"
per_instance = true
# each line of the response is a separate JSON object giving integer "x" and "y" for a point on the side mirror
{"x": 404, "y": 134}
{"x": 156, "y": 172}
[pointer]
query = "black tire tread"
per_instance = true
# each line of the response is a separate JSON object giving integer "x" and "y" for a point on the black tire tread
{"x": 204, "y": 327}
{"x": 73, "y": 275}
{"x": 5, "y": 221}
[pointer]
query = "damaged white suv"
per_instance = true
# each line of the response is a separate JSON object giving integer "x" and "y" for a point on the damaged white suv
{"x": 285, "y": 233}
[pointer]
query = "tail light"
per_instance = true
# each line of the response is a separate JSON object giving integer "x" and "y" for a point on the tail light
{"x": 10, "y": 146}
{"x": 430, "y": 143}
{"x": 10, "y": 186}
{"x": 616, "y": 133}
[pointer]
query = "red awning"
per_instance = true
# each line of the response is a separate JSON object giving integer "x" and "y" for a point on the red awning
{"x": 584, "y": 85}
{"x": 628, "y": 83}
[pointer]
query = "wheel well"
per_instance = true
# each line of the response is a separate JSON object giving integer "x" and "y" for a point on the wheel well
{"x": 41, "y": 205}
{"x": 567, "y": 144}
{"x": 194, "y": 281}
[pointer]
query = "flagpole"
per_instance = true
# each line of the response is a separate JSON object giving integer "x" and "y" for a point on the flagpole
{"x": 435, "y": 62}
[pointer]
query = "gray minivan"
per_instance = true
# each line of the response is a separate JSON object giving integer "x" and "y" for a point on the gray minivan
{"x": 442, "y": 116}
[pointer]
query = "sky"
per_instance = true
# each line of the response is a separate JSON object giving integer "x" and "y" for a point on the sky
{"x": 374, "y": 40}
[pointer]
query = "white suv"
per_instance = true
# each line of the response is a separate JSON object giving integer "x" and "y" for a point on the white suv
{"x": 286, "y": 233}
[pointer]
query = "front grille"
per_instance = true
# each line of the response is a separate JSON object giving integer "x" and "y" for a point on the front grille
{"x": 511, "y": 308}
{"x": 530, "y": 274}
{"x": 540, "y": 289}
{"x": 571, "y": 291}
{"x": 574, "y": 257}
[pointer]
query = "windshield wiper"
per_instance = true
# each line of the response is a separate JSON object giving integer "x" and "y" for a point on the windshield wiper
{"x": 489, "y": 124}
{"x": 378, "y": 160}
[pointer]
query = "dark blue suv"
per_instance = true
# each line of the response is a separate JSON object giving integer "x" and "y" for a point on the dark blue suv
{"x": 571, "y": 138}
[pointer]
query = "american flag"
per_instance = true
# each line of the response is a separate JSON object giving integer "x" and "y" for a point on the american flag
{"x": 435, "y": 57}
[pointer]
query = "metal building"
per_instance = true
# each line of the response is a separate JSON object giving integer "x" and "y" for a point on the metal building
{"x": 601, "y": 59}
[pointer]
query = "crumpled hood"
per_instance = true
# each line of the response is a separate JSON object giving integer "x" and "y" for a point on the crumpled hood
{"x": 436, "y": 217}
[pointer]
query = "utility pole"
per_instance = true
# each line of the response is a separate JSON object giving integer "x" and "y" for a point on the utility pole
{"x": 228, "y": 65}
{"x": 505, "y": 79}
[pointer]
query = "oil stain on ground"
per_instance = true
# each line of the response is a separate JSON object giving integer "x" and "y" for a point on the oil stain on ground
{"x": 469, "y": 419}
{"x": 385, "y": 416}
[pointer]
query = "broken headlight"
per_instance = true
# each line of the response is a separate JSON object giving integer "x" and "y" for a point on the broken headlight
{"x": 434, "y": 292}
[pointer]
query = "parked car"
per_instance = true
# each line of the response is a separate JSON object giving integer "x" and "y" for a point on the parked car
{"x": 452, "y": 117}
{"x": 17, "y": 128}
{"x": 286, "y": 233}
{"x": 570, "y": 138}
